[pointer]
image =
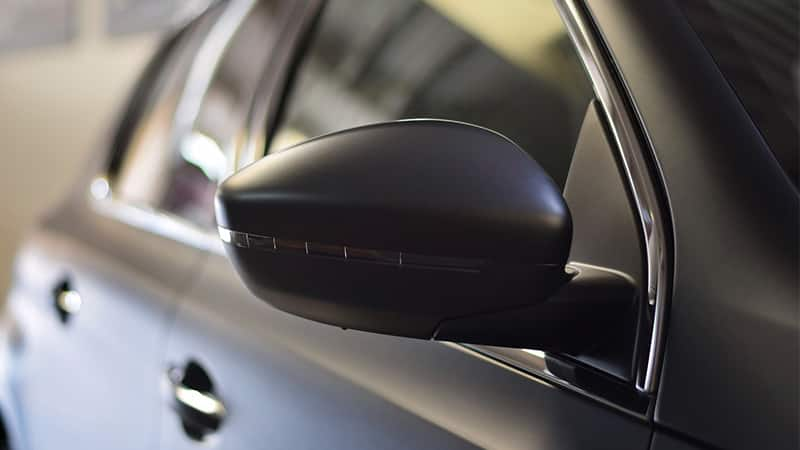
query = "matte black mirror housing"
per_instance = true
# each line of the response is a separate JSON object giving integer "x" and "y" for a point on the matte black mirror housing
{"x": 397, "y": 227}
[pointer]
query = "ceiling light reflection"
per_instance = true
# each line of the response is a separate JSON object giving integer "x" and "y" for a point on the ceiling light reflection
{"x": 536, "y": 353}
{"x": 204, "y": 153}
{"x": 199, "y": 401}
{"x": 100, "y": 189}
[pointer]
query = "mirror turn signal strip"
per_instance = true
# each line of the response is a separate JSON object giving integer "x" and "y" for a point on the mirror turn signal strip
{"x": 347, "y": 253}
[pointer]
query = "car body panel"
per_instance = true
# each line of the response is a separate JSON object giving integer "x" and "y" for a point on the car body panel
{"x": 731, "y": 365}
{"x": 90, "y": 380}
{"x": 663, "y": 441}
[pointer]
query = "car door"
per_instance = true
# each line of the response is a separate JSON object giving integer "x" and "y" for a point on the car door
{"x": 95, "y": 287}
{"x": 245, "y": 375}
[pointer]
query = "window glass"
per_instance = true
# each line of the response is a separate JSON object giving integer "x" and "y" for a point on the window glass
{"x": 143, "y": 139}
{"x": 755, "y": 45}
{"x": 511, "y": 69}
{"x": 207, "y": 153}
{"x": 187, "y": 142}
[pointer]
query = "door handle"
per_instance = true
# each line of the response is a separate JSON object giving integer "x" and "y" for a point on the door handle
{"x": 194, "y": 400}
{"x": 66, "y": 300}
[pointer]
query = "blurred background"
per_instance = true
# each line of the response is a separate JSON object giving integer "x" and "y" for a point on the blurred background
{"x": 65, "y": 70}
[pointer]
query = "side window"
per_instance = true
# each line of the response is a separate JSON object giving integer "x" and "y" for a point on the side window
{"x": 187, "y": 140}
{"x": 144, "y": 139}
{"x": 511, "y": 69}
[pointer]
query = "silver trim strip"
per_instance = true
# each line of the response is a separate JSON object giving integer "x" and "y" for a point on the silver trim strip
{"x": 280, "y": 245}
{"x": 642, "y": 187}
{"x": 157, "y": 222}
{"x": 204, "y": 66}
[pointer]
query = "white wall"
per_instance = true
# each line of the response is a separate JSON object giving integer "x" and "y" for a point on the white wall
{"x": 55, "y": 105}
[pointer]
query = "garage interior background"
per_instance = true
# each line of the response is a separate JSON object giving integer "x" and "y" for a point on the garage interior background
{"x": 65, "y": 70}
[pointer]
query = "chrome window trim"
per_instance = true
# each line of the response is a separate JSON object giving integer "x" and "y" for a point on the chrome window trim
{"x": 641, "y": 183}
{"x": 204, "y": 66}
{"x": 156, "y": 222}
{"x": 648, "y": 209}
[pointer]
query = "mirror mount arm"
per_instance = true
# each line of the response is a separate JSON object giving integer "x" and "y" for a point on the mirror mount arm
{"x": 577, "y": 317}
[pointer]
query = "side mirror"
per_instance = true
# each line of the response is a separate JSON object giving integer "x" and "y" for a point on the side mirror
{"x": 419, "y": 228}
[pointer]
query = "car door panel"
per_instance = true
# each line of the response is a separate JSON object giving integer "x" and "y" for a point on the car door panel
{"x": 293, "y": 383}
{"x": 663, "y": 441}
{"x": 92, "y": 378}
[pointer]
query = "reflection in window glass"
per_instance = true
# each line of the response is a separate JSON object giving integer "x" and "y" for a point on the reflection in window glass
{"x": 207, "y": 153}
{"x": 510, "y": 69}
{"x": 178, "y": 153}
{"x": 144, "y": 151}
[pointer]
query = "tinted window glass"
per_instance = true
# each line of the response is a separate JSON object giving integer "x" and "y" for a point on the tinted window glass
{"x": 207, "y": 152}
{"x": 187, "y": 142}
{"x": 511, "y": 69}
{"x": 138, "y": 167}
{"x": 148, "y": 86}
{"x": 755, "y": 45}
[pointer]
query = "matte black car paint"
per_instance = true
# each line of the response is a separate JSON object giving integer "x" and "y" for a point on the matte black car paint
{"x": 731, "y": 366}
